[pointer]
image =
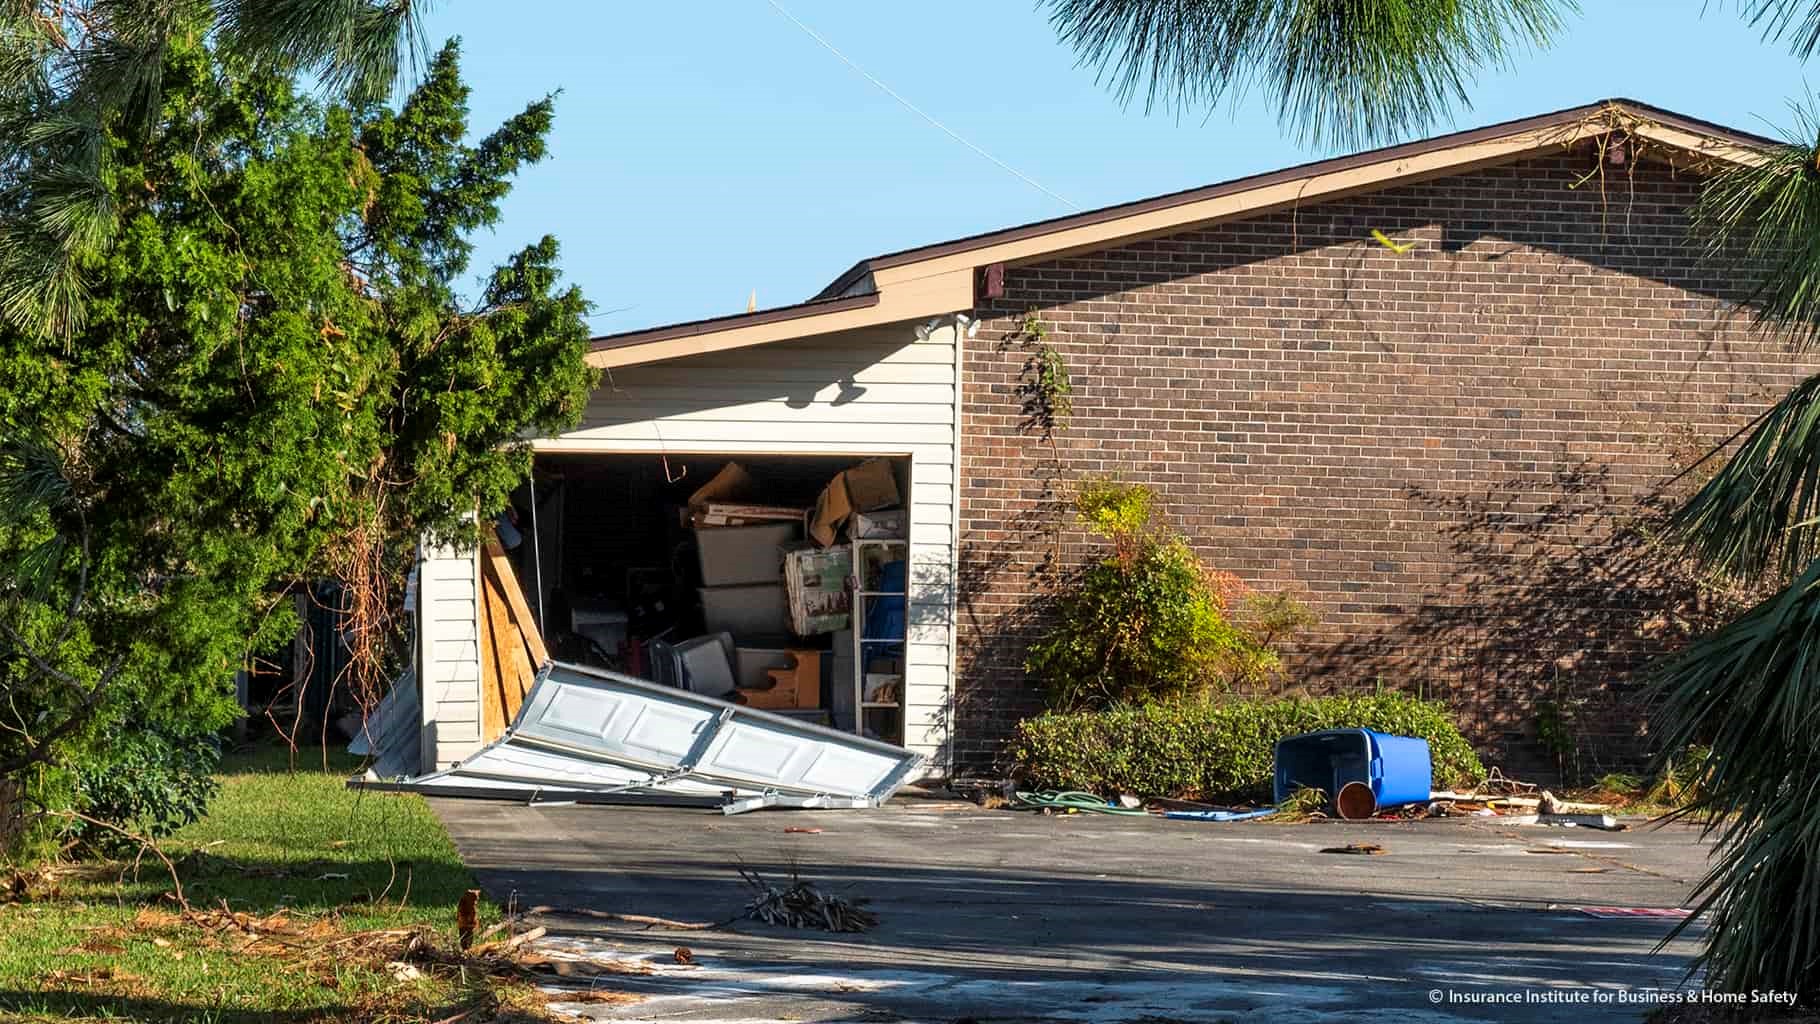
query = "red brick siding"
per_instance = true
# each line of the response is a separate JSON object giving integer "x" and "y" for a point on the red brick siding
{"x": 1434, "y": 445}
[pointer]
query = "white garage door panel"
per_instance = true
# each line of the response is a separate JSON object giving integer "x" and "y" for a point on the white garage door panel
{"x": 528, "y": 766}
{"x": 637, "y": 730}
{"x": 589, "y": 733}
{"x": 764, "y": 753}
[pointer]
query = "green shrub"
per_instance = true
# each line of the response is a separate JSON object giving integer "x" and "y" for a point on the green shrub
{"x": 1622, "y": 783}
{"x": 147, "y": 782}
{"x": 1150, "y": 620}
{"x": 1679, "y": 777}
{"x": 1206, "y": 749}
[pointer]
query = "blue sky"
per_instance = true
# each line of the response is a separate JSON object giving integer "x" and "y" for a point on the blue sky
{"x": 704, "y": 150}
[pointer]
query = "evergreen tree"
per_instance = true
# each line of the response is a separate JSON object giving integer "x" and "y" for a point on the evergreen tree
{"x": 275, "y": 381}
{"x": 72, "y": 69}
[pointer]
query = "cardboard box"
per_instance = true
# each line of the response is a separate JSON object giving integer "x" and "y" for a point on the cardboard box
{"x": 730, "y": 499}
{"x": 831, "y": 510}
{"x": 718, "y": 514}
{"x": 884, "y": 688}
{"x": 732, "y": 484}
{"x": 884, "y": 524}
{"x": 797, "y": 685}
{"x": 751, "y": 663}
{"x": 731, "y": 555}
{"x": 872, "y": 485}
{"x": 869, "y": 486}
{"x": 815, "y": 582}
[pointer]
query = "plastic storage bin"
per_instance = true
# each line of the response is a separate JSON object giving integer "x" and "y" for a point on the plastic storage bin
{"x": 733, "y": 555}
{"x": 753, "y": 610}
{"x": 1397, "y": 768}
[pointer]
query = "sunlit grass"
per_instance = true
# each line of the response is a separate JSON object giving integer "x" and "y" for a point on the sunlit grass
{"x": 107, "y": 942}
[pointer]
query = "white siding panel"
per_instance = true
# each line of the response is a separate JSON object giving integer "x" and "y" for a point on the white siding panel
{"x": 927, "y": 737}
{"x": 825, "y": 443}
{"x": 669, "y": 375}
{"x": 880, "y": 390}
{"x": 715, "y": 397}
{"x": 935, "y": 679}
{"x": 844, "y": 352}
{"x": 456, "y": 712}
{"x": 450, "y": 653}
{"x": 805, "y": 434}
{"x": 458, "y": 616}
{"x": 923, "y": 515}
{"x": 934, "y": 496}
{"x": 939, "y": 534}
{"x": 927, "y": 654}
{"x": 447, "y": 568}
{"x": 821, "y": 413}
{"x": 458, "y": 663}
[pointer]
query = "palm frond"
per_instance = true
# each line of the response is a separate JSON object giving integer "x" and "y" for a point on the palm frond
{"x": 24, "y": 47}
{"x": 42, "y": 289}
{"x": 102, "y": 62}
{"x": 357, "y": 47}
{"x": 60, "y": 130}
{"x": 74, "y": 206}
{"x": 34, "y": 571}
{"x": 32, "y": 477}
{"x": 1764, "y": 220}
{"x": 120, "y": 64}
{"x": 1751, "y": 690}
{"x": 1760, "y": 510}
{"x": 1797, "y": 21}
{"x": 1336, "y": 71}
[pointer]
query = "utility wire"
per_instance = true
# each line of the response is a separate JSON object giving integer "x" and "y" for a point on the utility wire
{"x": 918, "y": 111}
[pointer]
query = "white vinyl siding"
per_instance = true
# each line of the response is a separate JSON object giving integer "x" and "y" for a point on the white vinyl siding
{"x": 876, "y": 391}
{"x": 449, "y": 655}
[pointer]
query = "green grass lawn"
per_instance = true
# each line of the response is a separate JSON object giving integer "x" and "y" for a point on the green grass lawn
{"x": 108, "y": 943}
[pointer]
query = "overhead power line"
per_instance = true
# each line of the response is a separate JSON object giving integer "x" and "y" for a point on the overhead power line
{"x": 918, "y": 111}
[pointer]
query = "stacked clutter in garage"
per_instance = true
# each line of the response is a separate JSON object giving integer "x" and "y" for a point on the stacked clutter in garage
{"x": 777, "y": 590}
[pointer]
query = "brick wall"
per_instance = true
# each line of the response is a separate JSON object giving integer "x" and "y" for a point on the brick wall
{"x": 1446, "y": 450}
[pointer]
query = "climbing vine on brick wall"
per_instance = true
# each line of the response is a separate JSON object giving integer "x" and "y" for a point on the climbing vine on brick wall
{"x": 1044, "y": 388}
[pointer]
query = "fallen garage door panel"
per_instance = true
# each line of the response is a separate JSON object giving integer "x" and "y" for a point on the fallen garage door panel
{"x": 590, "y": 736}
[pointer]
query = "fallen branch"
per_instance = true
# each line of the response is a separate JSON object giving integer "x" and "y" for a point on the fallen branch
{"x": 523, "y": 937}
{"x": 648, "y": 922}
{"x": 802, "y": 905}
{"x": 145, "y": 843}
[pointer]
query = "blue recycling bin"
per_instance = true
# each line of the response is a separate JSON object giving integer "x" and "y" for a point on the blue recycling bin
{"x": 1397, "y": 768}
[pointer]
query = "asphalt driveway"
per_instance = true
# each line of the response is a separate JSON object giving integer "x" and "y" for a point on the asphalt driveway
{"x": 995, "y": 915}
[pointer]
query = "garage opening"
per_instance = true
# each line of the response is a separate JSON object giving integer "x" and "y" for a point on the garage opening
{"x": 778, "y": 582}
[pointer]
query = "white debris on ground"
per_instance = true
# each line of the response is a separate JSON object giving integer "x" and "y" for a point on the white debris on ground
{"x": 717, "y": 990}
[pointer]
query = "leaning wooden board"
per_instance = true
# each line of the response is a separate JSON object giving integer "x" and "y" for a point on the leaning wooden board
{"x": 511, "y": 646}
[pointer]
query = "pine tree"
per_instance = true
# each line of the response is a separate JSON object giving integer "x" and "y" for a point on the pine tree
{"x": 73, "y": 71}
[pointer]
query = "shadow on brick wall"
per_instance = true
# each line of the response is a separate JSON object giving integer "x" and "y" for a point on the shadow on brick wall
{"x": 1541, "y": 644}
{"x": 1215, "y": 363}
{"x": 1563, "y": 600}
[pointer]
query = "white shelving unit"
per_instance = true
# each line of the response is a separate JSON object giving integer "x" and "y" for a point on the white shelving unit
{"x": 883, "y": 719}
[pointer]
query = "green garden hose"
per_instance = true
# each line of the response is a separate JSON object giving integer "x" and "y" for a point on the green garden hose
{"x": 1072, "y": 800}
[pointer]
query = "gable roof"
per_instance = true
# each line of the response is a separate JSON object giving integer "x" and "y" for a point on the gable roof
{"x": 936, "y": 279}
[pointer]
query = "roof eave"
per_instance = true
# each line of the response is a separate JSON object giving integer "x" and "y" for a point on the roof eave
{"x": 938, "y": 278}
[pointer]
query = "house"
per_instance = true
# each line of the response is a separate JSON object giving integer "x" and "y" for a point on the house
{"x": 1442, "y": 439}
